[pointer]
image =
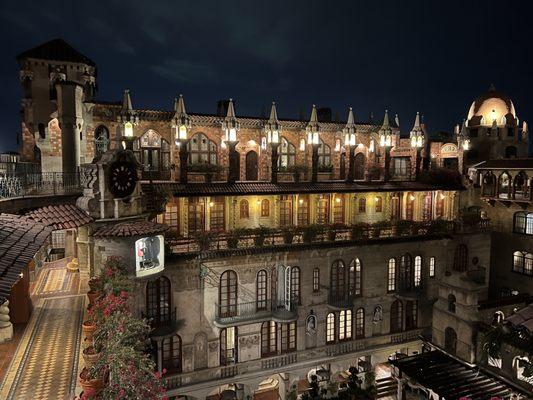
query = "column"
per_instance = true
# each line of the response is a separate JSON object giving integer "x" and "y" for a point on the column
{"x": 6, "y": 327}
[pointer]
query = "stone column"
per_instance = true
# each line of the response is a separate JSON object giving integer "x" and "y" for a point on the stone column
{"x": 401, "y": 389}
{"x": 6, "y": 327}
{"x": 160, "y": 355}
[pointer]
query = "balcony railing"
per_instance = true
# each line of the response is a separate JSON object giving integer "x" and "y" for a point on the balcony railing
{"x": 340, "y": 300}
{"x": 156, "y": 175}
{"x": 221, "y": 240}
{"x": 255, "y": 310}
{"x": 45, "y": 183}
{"x": 166, "y": 325}
{"x": 285, "y": 362}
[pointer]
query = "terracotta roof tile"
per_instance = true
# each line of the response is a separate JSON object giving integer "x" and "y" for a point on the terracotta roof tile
{"x": 129, "y": 229}
{"x": 63, "y": 216}
{"x": 20, "y": 239}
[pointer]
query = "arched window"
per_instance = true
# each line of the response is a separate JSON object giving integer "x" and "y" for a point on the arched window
{"x": 265, "y": 208}
{"x": 261, "y": 290}
{"x": 316, "y": 280}
{"x": 355, "y": 278}
{"x": 411, "y": 314}
{"x": 338, "y": 209}
{"x": 269, "y": 345}
{"x": 518, "y": 261}
{"x": 450, "y": 340}
{"x": 244, "y": 209}
{"x": 362, "y": 204}
{"x": 360, "y": 323}
{"x": 303, "y": 210}
{"x": 488, "y": 184}
{"x": 378, "y": 204}
{"x": 460, "y": 258}
{"x": 101, "y": 140}
{"x": 504, "y": 183}
{"x": 171, "y": 352}
{"x": 498, "y": 318}
{"x": 338, "y": 281}
{"x": 406, "y": 272}
{"x": 330, "y": 328}
{"x": 158, "y": 301}
{"x": 391, "y": 275}
{"x": 520, "y": 188}
{"x": 324, "y": 154}
{"x": 202, "y": 150}
{"x": 431, "y": 267}
{"x": 345, "y": 325}
{"x": 295, "y": 285}
{"x": 396, "y": 317}
{"x": 228, "y": 346}
{"x": 216, "y": 214}
{"x": 418, "y": 271}
{"x": 287, "y": 154}
{"x": 227, "y": 294}
{"x": 451, "y": 303}
{"x": 359, "y": 166}
{"x": 523, "y": 223}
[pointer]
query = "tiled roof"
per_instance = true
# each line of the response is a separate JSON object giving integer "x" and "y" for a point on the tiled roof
{"x": 63, "y": 216}
{"x": 508, "y": 163}
{"x": 20, "y": 239}
{"x": 523, "y": 317}
{"x": 131, "y": 228}
{"x": 56, "y": 50}
{"x": 263, "y": 188}
{"x": 200, "y": 119}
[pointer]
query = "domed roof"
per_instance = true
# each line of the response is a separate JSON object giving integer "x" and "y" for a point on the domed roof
{"x": 492, "y": 106}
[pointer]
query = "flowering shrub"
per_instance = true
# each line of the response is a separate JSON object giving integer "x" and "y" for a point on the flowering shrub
{"x": 107, "y": 305}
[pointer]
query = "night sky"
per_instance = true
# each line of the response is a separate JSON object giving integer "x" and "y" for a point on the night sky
{"x": 407, "y": 56}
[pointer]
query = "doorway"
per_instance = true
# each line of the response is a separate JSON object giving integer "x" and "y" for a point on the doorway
{"x": 251, "y": 166}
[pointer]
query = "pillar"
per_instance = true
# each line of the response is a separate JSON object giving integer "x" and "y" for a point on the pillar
{"x": 70, "y": 117}
{"x": 6, "y": 327}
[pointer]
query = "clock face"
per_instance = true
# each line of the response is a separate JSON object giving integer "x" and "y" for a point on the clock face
{"x": 122, "y": 178}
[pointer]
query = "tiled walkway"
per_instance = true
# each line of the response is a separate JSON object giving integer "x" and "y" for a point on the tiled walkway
{"x": 45, "y": 364}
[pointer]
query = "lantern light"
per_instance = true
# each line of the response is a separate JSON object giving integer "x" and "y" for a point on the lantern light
{"x": 128, "y": 129}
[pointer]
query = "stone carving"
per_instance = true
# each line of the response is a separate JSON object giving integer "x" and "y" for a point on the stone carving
{"x": 6, "y": 327}
{"x": 378, "y": 315}
{"x": 213, "y": 346}
{"x": 187, "y": 351}
{"x": 249, "y": 341}
{"x": 200, "y": 351}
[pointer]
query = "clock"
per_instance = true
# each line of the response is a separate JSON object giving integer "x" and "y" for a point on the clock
{"x": 122, "y": 178}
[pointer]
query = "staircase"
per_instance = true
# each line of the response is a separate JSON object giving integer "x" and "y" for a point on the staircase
{"x": 387, "y": 387}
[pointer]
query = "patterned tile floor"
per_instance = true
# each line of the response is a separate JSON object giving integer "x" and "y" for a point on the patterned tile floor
{"x": 45, "y": 363}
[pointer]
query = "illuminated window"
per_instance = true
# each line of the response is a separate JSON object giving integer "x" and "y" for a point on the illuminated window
{"x": 269, "y": 344}
{"x": 432, "y": 267}
{"x": 391, "y": 276}
{"x": 324, "y": 154}
{"x": 378, "y": 204}
{"x": 261, "y": 290}
{"x": 523, "y": 263}
{"x": 228, "y": 346}
{"x": 265, "y": 208}
{"x": 322, "y": 211}
{"x": 316, "y": 280}
{"x": 285, "y": 211}
{"x": 418, "y": 271}
{"x": 338, "y": 209}
{"x": 288, "y": 337}
{"x": 287, "y": 153}
{"x": 303, "y": 210}
{"x": 216, "y": 219}
{"x": 244, "y": 209}
{"x": 202, "y": 150}
{"x": 171, "y": 215}
{"x": 355, "y": 278}
{"x": 523, "y": 223}
{"x": 196, "y": 215}
{"x": 330, "y": 328}
{"x": 345, "y": 325}
{"x": 360, "y": 323}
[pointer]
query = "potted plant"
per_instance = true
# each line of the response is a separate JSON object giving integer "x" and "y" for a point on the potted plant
{"x": 288, "y": 234}
{"x": 310, "y": 232}
{"x": 90, "y": 355}
{"x": 93, "y": 385}
{"x": 260, "y": 235}
{"x": 96, "y": 288}
{"x": 296, "y": 171}
{"x": 359, "y": 230}
{"x": 88, "y": 327}
{"x": 207, "y": 169}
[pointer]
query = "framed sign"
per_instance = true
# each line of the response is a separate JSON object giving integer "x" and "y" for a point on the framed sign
{"x": 149, "y": 256}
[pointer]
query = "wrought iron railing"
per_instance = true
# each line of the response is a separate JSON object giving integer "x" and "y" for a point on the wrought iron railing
{"x": 340, "y": 300}
{"x": 254, "y": 310}
{"x": 164, "y": 325}
{"x": 44, "y": 183}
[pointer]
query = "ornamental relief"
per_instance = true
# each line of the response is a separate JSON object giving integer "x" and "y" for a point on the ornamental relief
{"x": 213, "y": 346}
{"x": 249, "y": 341}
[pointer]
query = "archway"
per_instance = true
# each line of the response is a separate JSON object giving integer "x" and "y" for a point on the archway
{"x": 251, "y": 166}
{"x": 153, "y": 152}
{"x": 359, "y": 167}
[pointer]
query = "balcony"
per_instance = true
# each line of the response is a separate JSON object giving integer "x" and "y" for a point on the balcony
{"x": 340, "y": 300}
{"x": 255, "y": 311}
{"x": 408, "y": 290}
{"x": 231, "y": 241}
{"x": 166, "y": 326}
{"x": 39, "y": 184}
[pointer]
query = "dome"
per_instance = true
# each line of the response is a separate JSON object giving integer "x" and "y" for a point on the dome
{"x": 490, "y": 107}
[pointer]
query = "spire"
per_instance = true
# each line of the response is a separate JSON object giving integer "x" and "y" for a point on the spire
{"x": 182, "y": 121}
{"x": 231, "y": 110}
{"x": 350, "y": 124}
{"x": 230, "y": 125}
{"x": 386, "y": 119}
{"x": 314, "y": 117}
{"x": 126, "y": 102}
{"x": 179, "y": 106}
{"x": 313, "y": 128}
{"x": 397, "y": 120}
{"x": 417, "y": 121}
{"x": 272, "y": 124}
{"x": 417, "y": 134}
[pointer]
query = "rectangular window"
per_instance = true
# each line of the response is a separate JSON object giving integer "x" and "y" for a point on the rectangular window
{"x": 345, "y": 325}
{"x": 316, "y": 280}
{"x": 362, "y": 205}
{"x": 378, "y": 204}
{"x": 330, "y": 328}
{"x": 285, "y": 211}
{"x": 216, "y": 220}
{"x": 196, "y": 216}
{"x": 171, "y": 216}
{"x": 418, "y": 271}
{"x": 288, "y": 337}
{"x": 391, "y": 276}
{"x": 265, "y": 208}
{"x": 338, "y": 209}
{"x": 431, "y": 267}
{"x": 228, "y": 346}
{"x": 401, "y": 166}
{"x": 322, "y": 212}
